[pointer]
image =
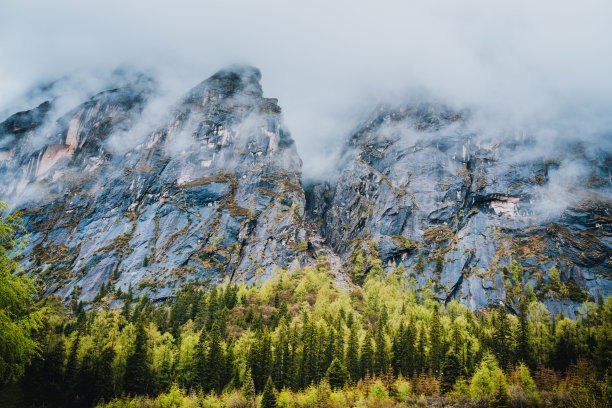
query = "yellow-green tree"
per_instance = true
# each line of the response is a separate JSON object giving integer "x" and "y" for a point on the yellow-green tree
{"x": 19, "y": 322}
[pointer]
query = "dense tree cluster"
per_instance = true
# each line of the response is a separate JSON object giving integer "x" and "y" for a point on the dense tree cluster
{"x": 298, "y": 331}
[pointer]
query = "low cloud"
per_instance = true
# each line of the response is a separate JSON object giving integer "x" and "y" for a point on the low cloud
{"x": 540, "y": 67}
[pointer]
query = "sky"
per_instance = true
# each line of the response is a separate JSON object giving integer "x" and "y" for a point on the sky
{"x": 545, "y": 64}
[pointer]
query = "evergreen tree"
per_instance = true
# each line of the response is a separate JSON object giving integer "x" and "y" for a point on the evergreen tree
{"x": 136, "y": 377}
{"x": 212, "y": 308}
{"x": 215, "y": 361}
{"x": 248, "y": 389}
{"x": 268, "y": 399}
{"x": 352, "y": 354}
{"x": 104, "y": 387}
{"x": 201, "y": 357}
{"x": 501, "y": 337}
{"x": 310, "y": 354}
{"x": 367, "y": 355}
{"x": 435, "y": 342}
{"x": 381, "y": 361}
{"x": 72, "y": 366}
{"x": 451, "y": 371}
{"x": 337, "y": 374}
{"x": 500, "y": 397}
{"x": 522, "y": 336}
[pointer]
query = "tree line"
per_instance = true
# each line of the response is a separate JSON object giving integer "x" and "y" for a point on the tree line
{"x": 298, "y": 330}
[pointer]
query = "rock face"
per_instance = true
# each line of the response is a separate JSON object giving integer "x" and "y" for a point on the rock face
{"x": 418, "y": 189}
{"x": 214, "y": 191}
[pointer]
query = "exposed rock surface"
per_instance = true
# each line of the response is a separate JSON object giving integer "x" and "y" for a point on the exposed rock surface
{"x": 215, "y": 192}
{"x": 455, "y": 208}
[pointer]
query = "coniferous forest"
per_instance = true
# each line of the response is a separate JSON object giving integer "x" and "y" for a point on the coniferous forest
{"x": 297, "y": 340}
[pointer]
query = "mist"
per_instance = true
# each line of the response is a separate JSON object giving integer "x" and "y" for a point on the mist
{"x": 541, "y": 66}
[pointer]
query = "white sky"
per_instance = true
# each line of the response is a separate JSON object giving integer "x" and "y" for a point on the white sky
{"x": 329, "y": 62}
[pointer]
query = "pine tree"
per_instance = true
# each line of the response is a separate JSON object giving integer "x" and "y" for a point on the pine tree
{"x": 337, "y": 374}
{"x": 71, "y": 372}
{"x": 522, "y": 336}
{"x": 268, "y": 399}
{"x": 367, "y": 355}
{"x": 104, "y": 376}
{"x": 501, "y": 337}
{"x": 310, "y": 354}
{"x": 352, "y": 354}
{"x": 213, "y": 305}
{"x": 201, "y": 356}
{"x": 451, "y": 371}
{"x": 215, "y": 361}
{"x": 248, "y": 389}
{"x": 358, "y": 272}
{"x": 136, "y": 377}
{"x": 435, "y": 342}
{"x": 381, "y": 362}
{"x": 500, "y": 398}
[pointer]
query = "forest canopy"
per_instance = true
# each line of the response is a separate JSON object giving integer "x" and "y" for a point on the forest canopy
{"x": 300, "y": 340}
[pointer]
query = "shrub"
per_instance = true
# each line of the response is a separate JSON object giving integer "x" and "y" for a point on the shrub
{"x": 403, "y": 390}
{"x": 485, "y": 375}
{"x": 378, "y": 391}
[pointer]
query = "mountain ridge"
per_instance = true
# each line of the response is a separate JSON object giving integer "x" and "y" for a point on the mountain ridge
{"x": 215, "y": 191}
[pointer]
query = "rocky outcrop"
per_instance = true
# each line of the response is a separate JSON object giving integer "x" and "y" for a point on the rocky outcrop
{"x": 214, "y": 191}
{"x": 420, "y": 191}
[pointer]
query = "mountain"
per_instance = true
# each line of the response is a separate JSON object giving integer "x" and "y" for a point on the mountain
{"x": 214, "y": 191}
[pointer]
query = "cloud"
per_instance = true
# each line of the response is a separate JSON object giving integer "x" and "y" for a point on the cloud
{"x": 540, "y": 65}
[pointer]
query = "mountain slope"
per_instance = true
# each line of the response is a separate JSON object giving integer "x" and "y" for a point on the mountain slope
{"x": 456, "y": 208}
{"x": 214, "y": 191}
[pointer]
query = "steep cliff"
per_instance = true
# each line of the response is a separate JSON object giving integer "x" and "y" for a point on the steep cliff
{"x": 215, "y": 191}
{"x": 420, "y": 190}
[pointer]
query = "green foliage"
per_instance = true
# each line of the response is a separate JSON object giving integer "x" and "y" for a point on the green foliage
{"x": 310, "y": 338}
{"x": 248, "y": 389}
{"x": 500, "y": 398}
{"x": 451, "y": 371}
{"x": 19, "y": 322}
{"x": 378, "y": 391}
{"x": 485, "y": 375}
{"x": 268, "y": 399}
{"x": 336, "y": 374}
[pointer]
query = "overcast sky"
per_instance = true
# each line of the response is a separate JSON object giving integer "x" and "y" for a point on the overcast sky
{"x": 329, "y": 62}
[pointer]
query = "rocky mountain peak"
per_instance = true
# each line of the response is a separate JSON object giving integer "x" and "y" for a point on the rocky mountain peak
{"x": 213, "y": 191}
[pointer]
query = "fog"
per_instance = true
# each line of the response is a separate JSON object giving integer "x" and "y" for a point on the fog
{"x": 543, "y": 66}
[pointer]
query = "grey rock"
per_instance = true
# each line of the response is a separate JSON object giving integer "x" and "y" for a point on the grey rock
{"x": 215, "y": 192}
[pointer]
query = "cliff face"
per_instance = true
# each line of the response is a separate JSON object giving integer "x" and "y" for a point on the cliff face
{"x": 215, "y": 192}
{"x": 418, "y": 188}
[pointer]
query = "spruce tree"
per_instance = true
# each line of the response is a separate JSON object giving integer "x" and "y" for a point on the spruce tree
{"x": 501, "y": 337}
{"x": 268, "y": 399}
{"x": 381, "y": 362}
{"x": 451, "y": 371}
{"x": 337, "y": 374}
{"x": 71, "y": 372}
{"x": 104, "y": 376}
{"x": 367, "y": 355}
{"x": 522, "y": 336}
{"x": 248, "y": 388}
{"x": 213, "y": 305}
{"x": 435, "y": 342}
{"x": 215, "y": 361}
{"x": 352, "y": 354}
{"x": 500, "y": 397}
{"x": 201, "y": 356}
{"x": 137, "y": 368}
